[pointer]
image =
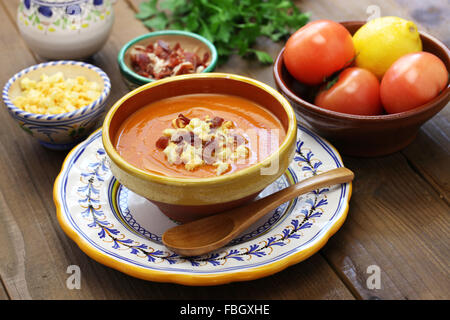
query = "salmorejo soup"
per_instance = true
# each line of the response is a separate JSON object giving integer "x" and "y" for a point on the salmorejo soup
{"x": 198, "y": 135}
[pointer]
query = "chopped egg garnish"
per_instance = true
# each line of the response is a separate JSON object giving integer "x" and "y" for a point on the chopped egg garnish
{"x": 195, "y": 142}
{"x": 54, "y": 94}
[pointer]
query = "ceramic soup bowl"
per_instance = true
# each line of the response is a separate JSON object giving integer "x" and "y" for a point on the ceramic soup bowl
{"x": 72, "y": 29}
{"x": 187, "y": 199}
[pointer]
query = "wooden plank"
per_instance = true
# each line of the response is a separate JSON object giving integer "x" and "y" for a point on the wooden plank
{"x": 396, "y": 222}
{"x": 429, "y": 154}
{"x": 13, "y": 275}
{"x": 37, "y": 252}
{"x": 28, "y": 175}
{"x": 3, "y": 294}
{"x": 12, "y": 200}
{"x": 354, "y": 248}
{"x": 432, "y": 15}
{"x": 263, "y": 73}
{"x": 310, "y": 280}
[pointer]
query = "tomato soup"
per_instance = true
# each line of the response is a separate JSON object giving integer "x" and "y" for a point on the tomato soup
{"x": 243, "y": 133}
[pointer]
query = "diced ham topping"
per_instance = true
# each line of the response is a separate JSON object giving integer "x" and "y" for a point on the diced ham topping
{"x": 158, "y": 60}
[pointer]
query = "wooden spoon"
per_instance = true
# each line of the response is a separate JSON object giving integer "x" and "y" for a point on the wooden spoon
{"x": 207, "y": 234}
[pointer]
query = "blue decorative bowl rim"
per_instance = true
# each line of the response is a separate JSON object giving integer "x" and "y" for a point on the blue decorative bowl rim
{"x": 140, "y": 80}
{"x": 52, "y": 3}
{"x": 55, "y": 118}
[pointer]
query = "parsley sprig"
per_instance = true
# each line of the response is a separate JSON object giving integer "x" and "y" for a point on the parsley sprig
{"x": 232, "y": 25}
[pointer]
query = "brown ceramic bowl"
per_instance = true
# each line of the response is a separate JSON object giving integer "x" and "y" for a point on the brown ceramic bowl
{"x": 187, "y": 199}
{"x": 356, "y": 135}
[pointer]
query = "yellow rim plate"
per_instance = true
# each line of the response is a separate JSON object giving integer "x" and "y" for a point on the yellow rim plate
{"x": 94, "y": 210}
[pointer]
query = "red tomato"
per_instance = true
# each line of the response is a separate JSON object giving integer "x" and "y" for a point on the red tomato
{"x": 357, "y": 91}
{"x": 317, "y": 50}
{"x": 411, "y": 81}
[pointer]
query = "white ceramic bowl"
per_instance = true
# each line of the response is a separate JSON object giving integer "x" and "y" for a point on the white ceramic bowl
{"x": 65, "y": 130}
{"x": 72, "y": 29}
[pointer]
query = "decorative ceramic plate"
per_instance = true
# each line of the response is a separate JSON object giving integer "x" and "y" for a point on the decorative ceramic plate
{"x": 122, "y": 230}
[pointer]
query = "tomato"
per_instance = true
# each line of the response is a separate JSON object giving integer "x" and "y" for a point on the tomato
{"x": 411, "y": 81}
{"x": 317, "y": 50}
{"x": 357, "y": 91}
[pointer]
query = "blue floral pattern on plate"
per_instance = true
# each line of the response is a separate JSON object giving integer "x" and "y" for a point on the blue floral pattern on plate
{"x": 119, "y": 224}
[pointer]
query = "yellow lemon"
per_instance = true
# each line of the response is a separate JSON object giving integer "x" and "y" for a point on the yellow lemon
{"x": 380, "y": 42}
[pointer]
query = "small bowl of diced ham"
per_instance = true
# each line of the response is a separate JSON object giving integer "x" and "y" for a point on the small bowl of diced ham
{"x": 162, "y": 54}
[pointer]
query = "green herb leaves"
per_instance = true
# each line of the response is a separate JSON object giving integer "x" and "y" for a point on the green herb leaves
{"x": 232, "y": 25}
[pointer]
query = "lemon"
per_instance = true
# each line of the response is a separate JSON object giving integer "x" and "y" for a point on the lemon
{"x": 380, "y": 42}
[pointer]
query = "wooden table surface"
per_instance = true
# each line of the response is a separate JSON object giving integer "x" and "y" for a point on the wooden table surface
{"x": 398, "y": 218}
